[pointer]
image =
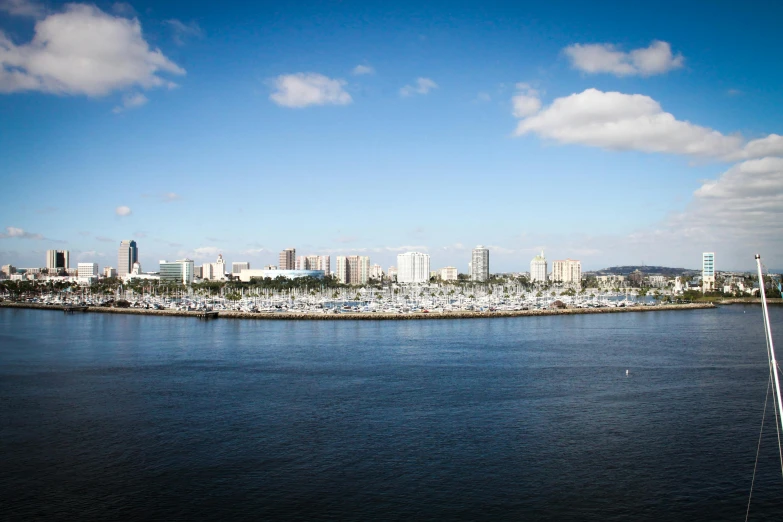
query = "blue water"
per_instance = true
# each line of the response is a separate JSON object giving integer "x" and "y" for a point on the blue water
{"x": 106, "y": 417}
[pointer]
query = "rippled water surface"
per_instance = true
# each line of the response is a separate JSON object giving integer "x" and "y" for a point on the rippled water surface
{"x": 105, "y": 417}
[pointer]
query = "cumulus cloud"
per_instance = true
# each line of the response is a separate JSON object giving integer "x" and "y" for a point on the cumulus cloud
{"x": 130, "y": 101}
{"x": 83, "y": 50}
{"x": 421, "y": 86}
{"x": 305, "y": 89}
{"x": 618, "y": 121}
{"x": 525, "y": 102}
{"x": 607, "y": 58}
{"x": 360, "y": 70}
{"x": 123, "y": 211}
{"x": 19, "y": 233}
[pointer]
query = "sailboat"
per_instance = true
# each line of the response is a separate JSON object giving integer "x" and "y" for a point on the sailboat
{"x": 768, "y": 333}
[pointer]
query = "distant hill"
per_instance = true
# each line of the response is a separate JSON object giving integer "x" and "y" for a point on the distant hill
{"x": 646, "y": 269}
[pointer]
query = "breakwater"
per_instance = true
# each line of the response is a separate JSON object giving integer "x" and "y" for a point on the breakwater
{"x": 371, "y": 316}
{"x": 747, "y": 300}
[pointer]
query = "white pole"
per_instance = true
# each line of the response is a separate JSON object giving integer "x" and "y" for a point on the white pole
{"x": 768, "y": 332}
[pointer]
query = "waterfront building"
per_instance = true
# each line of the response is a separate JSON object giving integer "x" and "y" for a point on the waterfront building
{"x": 57, "y": 260}
{"x": 247, "y": 275}
{"x": 352, "y": 270}
{"x": 9, "y": 270}
{"x": 376, "y": 272}
{"x": 288, "y": 259}
{"x": 708, "y": 271}
{"x": 567, "y": 271}
{"x": 109, "y": 272}
{"x": 270, "y": 267}
{"x": 72, "y": 272}
{"x": 392, "y": 273}
{"x": 413, "y": 267}
{"x": 238, "y": 266}
{"x": 214, "y": 271}
{"x": 87, "y": 270}
{"x": 449, "y": 273}
{"x": 127, "y": 254}
{"x": 180, "y": 271}
{"x": 198, "y": 272}
{"x": 314, "y": 263}
{"x": 479, "y": 264}
{"x": 538, "y": 268}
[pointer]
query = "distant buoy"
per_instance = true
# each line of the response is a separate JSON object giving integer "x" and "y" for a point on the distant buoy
{"x": 626, "y": 373}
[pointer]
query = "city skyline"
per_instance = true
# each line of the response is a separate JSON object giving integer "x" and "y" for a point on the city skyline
{"x": 613, "y": 136}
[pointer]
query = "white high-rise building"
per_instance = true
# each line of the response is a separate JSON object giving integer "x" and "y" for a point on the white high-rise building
{"x": 87, "y": 270}
{"x": 314, "y": 263}
{"x": 708, "y": 271}
{"x": 352, "y": 270}
{"x": 567, "y": 271}
{"x": 449, "y": 273}
{"x": 58, "y": 260}
{"x": 238, "y": 266}
{"x": 214, "y": 271}
{"x": 479, "y": 264}
{"x": 127, "y": 254}
{"x": 413, "y": 267}
{"x": 538, "y": 268}
{"x": 376, "y": 272}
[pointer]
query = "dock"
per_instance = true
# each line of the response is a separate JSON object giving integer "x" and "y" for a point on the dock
{"x": 74, "y": 309}
{"x": 207, "y": 315}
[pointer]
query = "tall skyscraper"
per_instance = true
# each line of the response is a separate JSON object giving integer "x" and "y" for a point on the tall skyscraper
{"x": 127, "y": 254}
{"x": 538, "y": 268}
{"x": 413, "y": 267}
{"x": 288, "y": 259}
{"x": 479, "y": 264}
{"x": 58, "y": 260}
{"x": 708, "y": 271}
{"x": 352, "y": 270}
{"x": 567, "y": 271}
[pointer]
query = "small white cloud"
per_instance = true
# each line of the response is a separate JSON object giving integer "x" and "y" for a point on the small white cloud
{"x": 526, "y": 102}
{"x": 184, "y": 31}
{"x": 422, "y": 86}
{"x": 26, "y": 8}
{"x": 606, "y": 58}
{"x": 130, "y": 101}
{"x": 305, "y": 89}
{"x": 360, "y": 70}
{"x": 83, "y": 50}
{"x": 19, "y": 233}
{"x": 123, "y": 211}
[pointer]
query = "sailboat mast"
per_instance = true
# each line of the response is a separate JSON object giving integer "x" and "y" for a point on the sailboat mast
{"x": 768, "y": 332}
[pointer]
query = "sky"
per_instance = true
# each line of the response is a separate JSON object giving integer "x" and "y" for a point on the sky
{"x": 612, "y": 133}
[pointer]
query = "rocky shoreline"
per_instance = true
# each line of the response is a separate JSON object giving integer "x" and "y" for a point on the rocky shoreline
{"x": 372, "y": 316}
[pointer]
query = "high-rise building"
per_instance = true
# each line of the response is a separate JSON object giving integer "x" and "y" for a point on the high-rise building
{"x": 8, "y": 270}
{"x": 58, "y": 260}
{"x": 567, "y": 271}
{"x": 288, "y": 259}
{"x": 449, "y": 273}
{"x": 538, "y": 268}
{"x": 479, "y": 264}
{"x": 391, "y": 273}
{"x": 87, "y": 270}
{"x": 238, "y": 266}
{"x": 109, "y": 271}
{"x": 180, "y": 271}
{"x": 314, "y": 263}
{"x": 352, "y": 270}
{"x": 127, "y": 254}
{"x": 214, "y": 271}
{"x": 708, "y": 271}
{"x": 376, "y": 272}
{"x": 413, "y": 267}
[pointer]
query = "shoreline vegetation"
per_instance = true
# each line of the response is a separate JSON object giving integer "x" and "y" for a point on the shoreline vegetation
{"x": 374, "y": 316}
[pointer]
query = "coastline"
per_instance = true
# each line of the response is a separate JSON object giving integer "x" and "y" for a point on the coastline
{"x": 368, "y": 316}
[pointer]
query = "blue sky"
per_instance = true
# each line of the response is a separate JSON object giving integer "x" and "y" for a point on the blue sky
{"x": 615, "y": 134}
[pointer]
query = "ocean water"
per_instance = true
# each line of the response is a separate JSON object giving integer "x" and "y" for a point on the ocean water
{"x": 107, "y": 417}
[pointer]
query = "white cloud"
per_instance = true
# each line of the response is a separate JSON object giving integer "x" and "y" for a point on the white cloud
{"x": 23, "y": 8}
{"x": 19, "y": 233}
{"x": 360, "y": 70}
{"x": 304, "y": 89}
{"x": 617, "y": 121}
{"x": 123, "y": 211}
{"x": 130, "y": 101}
{"x": 606, "y": 58}
{"x": 525, "y": 102}
{"x": 83, "y": 51}
{"x": 422, "y": 86}
{"x": 184, "y": 31}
